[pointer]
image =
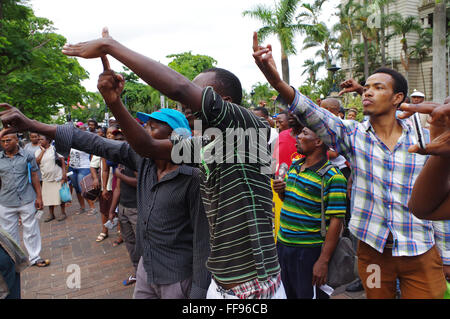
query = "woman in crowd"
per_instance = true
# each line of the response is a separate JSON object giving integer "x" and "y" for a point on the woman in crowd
{"x": 53, "y": 170}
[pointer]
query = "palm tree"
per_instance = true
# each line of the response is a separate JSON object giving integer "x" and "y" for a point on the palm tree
{"x": 279, "y": 21}
{"x": 367, "y": 33}
{"x": 402, "y": 27}
{"x": 347, "y": 30}
{"x": 421, "y": 49}
{"x": 384, "y": 22}
{"x": 312, "y": 67}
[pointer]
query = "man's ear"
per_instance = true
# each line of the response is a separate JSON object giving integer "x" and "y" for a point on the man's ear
{"x": 227, "y": 99}
{"x": 398, "y": 98}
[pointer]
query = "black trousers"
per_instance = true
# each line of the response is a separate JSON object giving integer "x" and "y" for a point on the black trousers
{"x": 297, "y": 271}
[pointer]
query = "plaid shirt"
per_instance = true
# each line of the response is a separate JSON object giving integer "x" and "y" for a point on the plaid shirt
{"x": 382, "y": 182}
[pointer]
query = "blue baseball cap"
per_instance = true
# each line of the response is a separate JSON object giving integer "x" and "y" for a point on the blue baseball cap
{"x": 175, "y": 119}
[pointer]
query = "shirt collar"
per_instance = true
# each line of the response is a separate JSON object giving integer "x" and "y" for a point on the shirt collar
{"x": 316, "y": 167}
{"x": 21, "y": 153}
{"x": 405, "y": 127}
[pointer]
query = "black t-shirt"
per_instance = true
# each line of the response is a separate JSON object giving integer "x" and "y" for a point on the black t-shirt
{"x": 128, "y": 193}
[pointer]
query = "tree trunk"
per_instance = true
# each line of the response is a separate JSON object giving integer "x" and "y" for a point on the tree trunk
{"x": 439, "y": 52}
{"x": 366, "y": 58}
{"x": 285, "y": 66}
{"x": 423, "y": 78}
{"x": 383, "y": 38}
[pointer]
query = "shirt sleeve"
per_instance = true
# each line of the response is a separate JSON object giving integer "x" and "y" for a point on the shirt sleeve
{"x": 220, "y": 114}
{"x": 336, "y": 196}
{"x": 95, "y": 161}
{"x": 442, "y": 238}
{"x": 201, "y": 277}
{"x": 332, "y": 130}
{"x": 68, "y": 137}
{"x": 33, "y": 164}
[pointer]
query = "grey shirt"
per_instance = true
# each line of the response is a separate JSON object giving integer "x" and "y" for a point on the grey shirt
{"x": 16, "y": 190}
{"x": 172, "y": 232}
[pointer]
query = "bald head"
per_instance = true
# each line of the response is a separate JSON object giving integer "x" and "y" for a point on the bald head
{"x": 332, "y": 105}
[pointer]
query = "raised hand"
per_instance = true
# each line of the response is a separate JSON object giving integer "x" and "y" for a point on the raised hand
{"x": 90, "y": 49}
{"x": 13, "y": 120}
{"x": 349, "y": 86}
{"x": 109, "y": 83}
{"x": 439, "y": 127}
{"x": 265, "y": 62}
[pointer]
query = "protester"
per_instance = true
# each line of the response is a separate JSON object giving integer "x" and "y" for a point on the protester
{"x": 254, "y": 275}
{"x": 53, "y": 176}
{"x": 124, "y": 197}
{"x": 32, "y": 147}
{"x": 430, "y": 198}
{"x": 303, "y": 253}
{"x": 79, "y": 165}
{"x": 384, "y": 172}
{"x": 281, "y": 121}
{"x": 20, "y": 196}
{"x": 262, "y": 112}
{"x": 103, "y": 177}
{"x": 418, "y": 97}
{"x": 92, "y": 125}
{"x": 351, "y": 114}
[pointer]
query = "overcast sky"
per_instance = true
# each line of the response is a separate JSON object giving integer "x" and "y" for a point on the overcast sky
{"x": 159, "y": 28}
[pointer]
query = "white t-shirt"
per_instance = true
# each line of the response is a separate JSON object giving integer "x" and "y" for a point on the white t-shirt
{"x": 97, "y": 162}
{"x": 79, "y": 159}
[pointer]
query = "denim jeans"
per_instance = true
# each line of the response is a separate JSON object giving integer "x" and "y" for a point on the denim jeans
{"x": 77, "y": 176}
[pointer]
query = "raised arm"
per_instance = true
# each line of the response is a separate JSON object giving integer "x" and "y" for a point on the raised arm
{"x": 331, "y": 129}
{"x": 167, "y": 81}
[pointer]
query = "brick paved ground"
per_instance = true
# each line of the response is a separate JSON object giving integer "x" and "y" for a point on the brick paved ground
{"x": 72, "y": 241}
{"x": 103, "y": 267}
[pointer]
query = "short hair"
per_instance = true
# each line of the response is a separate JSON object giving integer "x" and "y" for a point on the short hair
{"x": 262, "y": 109}
{"x": 227, "y": 84}
{"x": 400, "y": 83}
{"x": 352, "y": 110}
{"x": 284, "y": 113}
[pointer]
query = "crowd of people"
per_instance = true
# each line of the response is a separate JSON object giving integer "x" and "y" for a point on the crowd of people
{"x": 219, "y": 212}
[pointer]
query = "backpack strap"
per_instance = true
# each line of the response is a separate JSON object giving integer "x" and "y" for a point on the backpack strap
{"x": 322, "y": 172}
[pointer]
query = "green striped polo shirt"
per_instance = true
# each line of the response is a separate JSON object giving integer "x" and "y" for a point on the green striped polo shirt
{"x": 236, "y": 194}
{"x": 300, "y": 216}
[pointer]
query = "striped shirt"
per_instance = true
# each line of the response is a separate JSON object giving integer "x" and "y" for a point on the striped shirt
{"x": 236, "y": 195}
{"x": 382, "y": 182}
{"x": 172, "y": 230}
{"x": 300, "y": 217}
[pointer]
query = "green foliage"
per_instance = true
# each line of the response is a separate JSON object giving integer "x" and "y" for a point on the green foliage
{"x": 263, "y": 93}
{"x": 191, "y": 65}
{"x": 354, "y": 102}
{"x": 34, "y": 75}
{"x": 279, "y": 21}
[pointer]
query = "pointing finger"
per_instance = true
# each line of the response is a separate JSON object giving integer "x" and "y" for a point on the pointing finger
{"x": 105, "y": 32}
{"x": 105, "y": 63}
{"x": 255, "y": 42}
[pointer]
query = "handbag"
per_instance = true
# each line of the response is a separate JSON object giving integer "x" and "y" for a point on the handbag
{"x": 64, "y": 193}
{"x": 342, "y": 267}
{"x": 87, "y": 188}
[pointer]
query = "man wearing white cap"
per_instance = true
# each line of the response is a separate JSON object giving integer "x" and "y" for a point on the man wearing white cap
{"x": 418, "y": 97}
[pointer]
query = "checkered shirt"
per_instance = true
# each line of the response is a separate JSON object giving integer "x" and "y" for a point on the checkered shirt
{"x": 382, "y": 182}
